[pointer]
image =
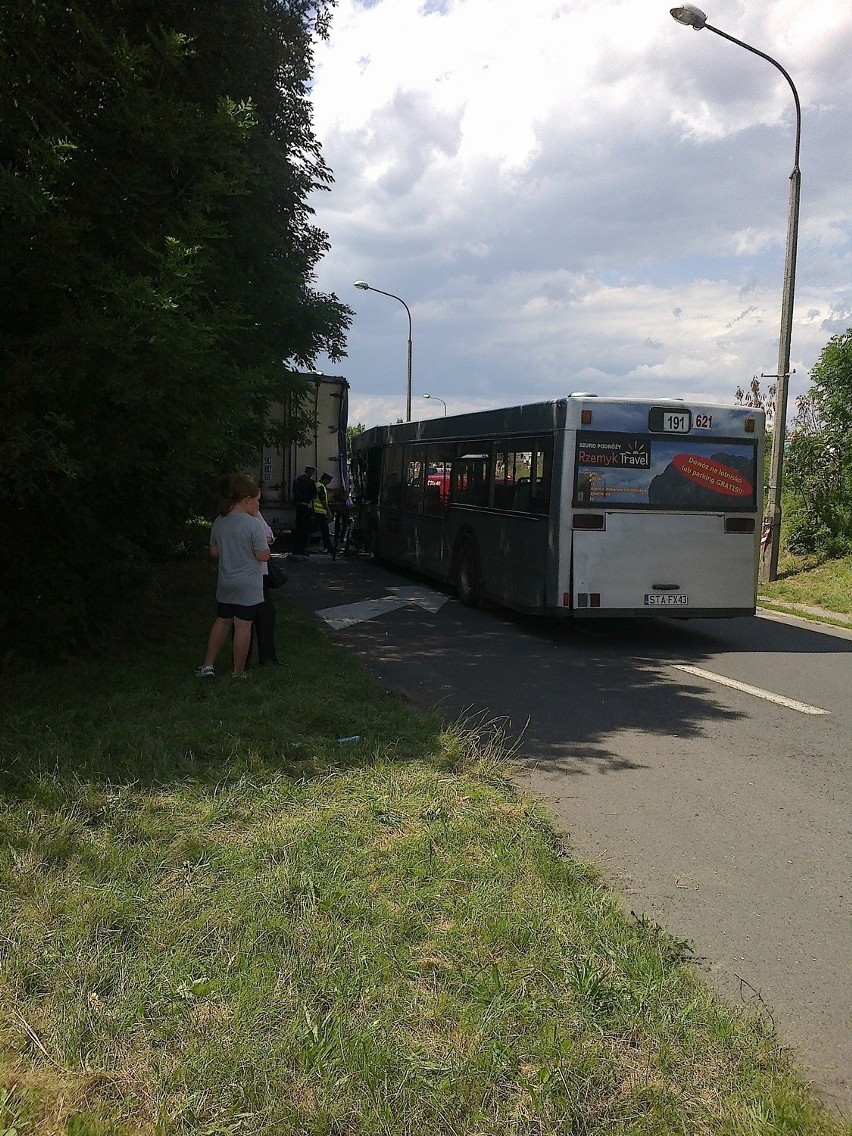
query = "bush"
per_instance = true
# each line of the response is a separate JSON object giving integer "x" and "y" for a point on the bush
{"x": 818, "y": 462}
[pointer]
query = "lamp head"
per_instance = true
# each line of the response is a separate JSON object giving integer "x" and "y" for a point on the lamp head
{"x": 426, "y": 396}
{"x": 363, "y": 285}
{"x": 689, "y": 15}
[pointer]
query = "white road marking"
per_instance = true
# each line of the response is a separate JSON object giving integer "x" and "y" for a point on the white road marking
{"x": 423, "y": 597}
{"x": 346, "y": 615}
{"x": 767, "y": 695}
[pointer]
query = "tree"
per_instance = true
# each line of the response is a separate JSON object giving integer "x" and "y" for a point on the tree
{"x": 352, "y": 433}
{"x": 765, "y": 401}
{"x": 760, "y": 400}
{"x": 819, "y": 456}
{"x": 157, "y": 279}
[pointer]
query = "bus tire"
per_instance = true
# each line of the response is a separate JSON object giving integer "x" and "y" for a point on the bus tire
{"x": 467, "y": 573}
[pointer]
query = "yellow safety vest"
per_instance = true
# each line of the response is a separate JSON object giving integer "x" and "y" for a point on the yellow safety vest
{"x": 321, "y": 500}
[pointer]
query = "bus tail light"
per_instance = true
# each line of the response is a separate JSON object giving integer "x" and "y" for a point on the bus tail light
{"x": 588, "y": 599}
{"x": 589, "y": 521}
{"x": 739, "y": 524}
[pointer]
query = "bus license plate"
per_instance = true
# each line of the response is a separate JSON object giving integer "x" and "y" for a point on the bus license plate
{"x": 656, "y": 599}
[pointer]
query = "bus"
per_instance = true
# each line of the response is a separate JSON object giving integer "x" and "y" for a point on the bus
{"x": 578, "y": 507}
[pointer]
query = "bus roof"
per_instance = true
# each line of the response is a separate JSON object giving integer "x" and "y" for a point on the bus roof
{"x": 541, "y": 417}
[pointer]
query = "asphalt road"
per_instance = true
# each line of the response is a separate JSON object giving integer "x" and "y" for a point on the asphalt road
{"x": 720, "y": 814}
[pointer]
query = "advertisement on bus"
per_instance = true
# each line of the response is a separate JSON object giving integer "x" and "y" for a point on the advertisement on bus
{"x": 665, "y": 472}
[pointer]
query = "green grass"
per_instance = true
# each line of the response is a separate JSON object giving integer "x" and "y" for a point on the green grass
{"x": 216, "y": 919}
{"x": 812, "y": 582}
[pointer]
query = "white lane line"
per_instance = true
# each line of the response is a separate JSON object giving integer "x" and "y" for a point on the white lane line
{"x": 767, "y": 695}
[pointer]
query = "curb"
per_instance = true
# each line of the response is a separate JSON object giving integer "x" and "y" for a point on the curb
{"x": 805, "y": 611}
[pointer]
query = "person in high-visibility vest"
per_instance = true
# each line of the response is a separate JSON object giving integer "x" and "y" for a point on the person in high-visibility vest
{"x": 322, "y": 512}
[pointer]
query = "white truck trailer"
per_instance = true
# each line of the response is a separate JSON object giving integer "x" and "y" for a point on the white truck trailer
{"x": 327, "y": 401}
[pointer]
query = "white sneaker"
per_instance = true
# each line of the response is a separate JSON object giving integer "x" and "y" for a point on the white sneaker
{"x": 205, "y": 672}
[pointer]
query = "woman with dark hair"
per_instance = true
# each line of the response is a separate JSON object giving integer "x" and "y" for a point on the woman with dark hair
{"x": 238, "y": 542}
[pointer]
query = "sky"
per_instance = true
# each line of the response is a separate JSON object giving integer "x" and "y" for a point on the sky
{"x": 579, "y": 196}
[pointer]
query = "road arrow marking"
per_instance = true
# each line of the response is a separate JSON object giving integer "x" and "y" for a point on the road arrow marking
{"x": 767, "y": 695}
{"x": 423, "y": 597}
{"x": 346, "y": 615}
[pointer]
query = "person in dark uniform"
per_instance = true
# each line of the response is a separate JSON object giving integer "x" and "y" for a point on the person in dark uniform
{"x": 304, "y": 492}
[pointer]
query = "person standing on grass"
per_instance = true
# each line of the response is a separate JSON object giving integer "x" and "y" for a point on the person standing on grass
{"x": 238, "y": 541}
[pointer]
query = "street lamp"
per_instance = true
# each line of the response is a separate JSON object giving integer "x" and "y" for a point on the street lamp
{"x": 365, "y": 287}
{"x": 437, "y": 400}
{"x": 693, "y": 17}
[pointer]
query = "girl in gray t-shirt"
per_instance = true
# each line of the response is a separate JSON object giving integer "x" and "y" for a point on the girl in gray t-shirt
{"x": 238, "y": 541}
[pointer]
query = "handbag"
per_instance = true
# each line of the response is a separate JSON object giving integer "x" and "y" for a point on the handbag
{"x": 275, "y": 573}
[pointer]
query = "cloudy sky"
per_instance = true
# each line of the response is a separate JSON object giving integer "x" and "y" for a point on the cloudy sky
{"x": 580, "y": 195}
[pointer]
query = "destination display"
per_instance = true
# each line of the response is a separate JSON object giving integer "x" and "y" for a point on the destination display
{"x": 665, "y": 472}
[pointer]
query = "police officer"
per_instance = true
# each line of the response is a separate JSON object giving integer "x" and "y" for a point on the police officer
{"x": 304, "y": 492}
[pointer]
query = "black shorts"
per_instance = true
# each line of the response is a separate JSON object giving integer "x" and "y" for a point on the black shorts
{"x": 236, "y": 611}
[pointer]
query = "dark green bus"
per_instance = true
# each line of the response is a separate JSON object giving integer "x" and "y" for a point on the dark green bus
{"x": 582, "y": 506}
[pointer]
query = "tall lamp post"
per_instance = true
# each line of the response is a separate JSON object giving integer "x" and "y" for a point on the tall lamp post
{"x": 437, "y": 400}
{"x": 365, "y": 287}
{"x": 693, "y": 17}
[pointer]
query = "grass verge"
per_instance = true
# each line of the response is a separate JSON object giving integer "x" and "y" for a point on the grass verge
{"x": 215, "y": 918}
{"x": 814, "y": 583}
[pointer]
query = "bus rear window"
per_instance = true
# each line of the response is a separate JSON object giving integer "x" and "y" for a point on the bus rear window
{"x": 470, "y": 479}
{"x": 653, "y": 472}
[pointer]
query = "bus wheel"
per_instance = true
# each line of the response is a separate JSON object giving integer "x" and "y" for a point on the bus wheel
{"x": 467, "y": 574}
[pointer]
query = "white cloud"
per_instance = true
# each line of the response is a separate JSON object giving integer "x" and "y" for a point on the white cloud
{"x": 546, "y": 185}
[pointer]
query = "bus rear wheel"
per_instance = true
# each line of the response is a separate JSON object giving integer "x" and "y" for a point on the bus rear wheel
{"x": 467, "y": 573}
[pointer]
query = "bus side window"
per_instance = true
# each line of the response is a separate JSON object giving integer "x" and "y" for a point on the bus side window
{"x": 512, "y": 476}
{"x": 392, "y": 478}
{"x": 504, "y": 488}
{"x": 521, "y": 503}
{"x": 470, "y": 479}
{"x": 373, "y": 478}
{"x": 433, "y": 506}
{"x": 503, "y": 495}
{"x": 439, "y": 462}
{"x": 415, "y": 471}
{"x": 542, "y": 465}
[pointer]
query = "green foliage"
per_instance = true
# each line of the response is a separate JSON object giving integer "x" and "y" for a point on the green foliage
{"x": 352, "y": 433}
{"x": 156, "y": 282}
{"x": 819, "y": 457}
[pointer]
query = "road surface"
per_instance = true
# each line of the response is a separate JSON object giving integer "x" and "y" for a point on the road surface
{"x": 703, "y": 767}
